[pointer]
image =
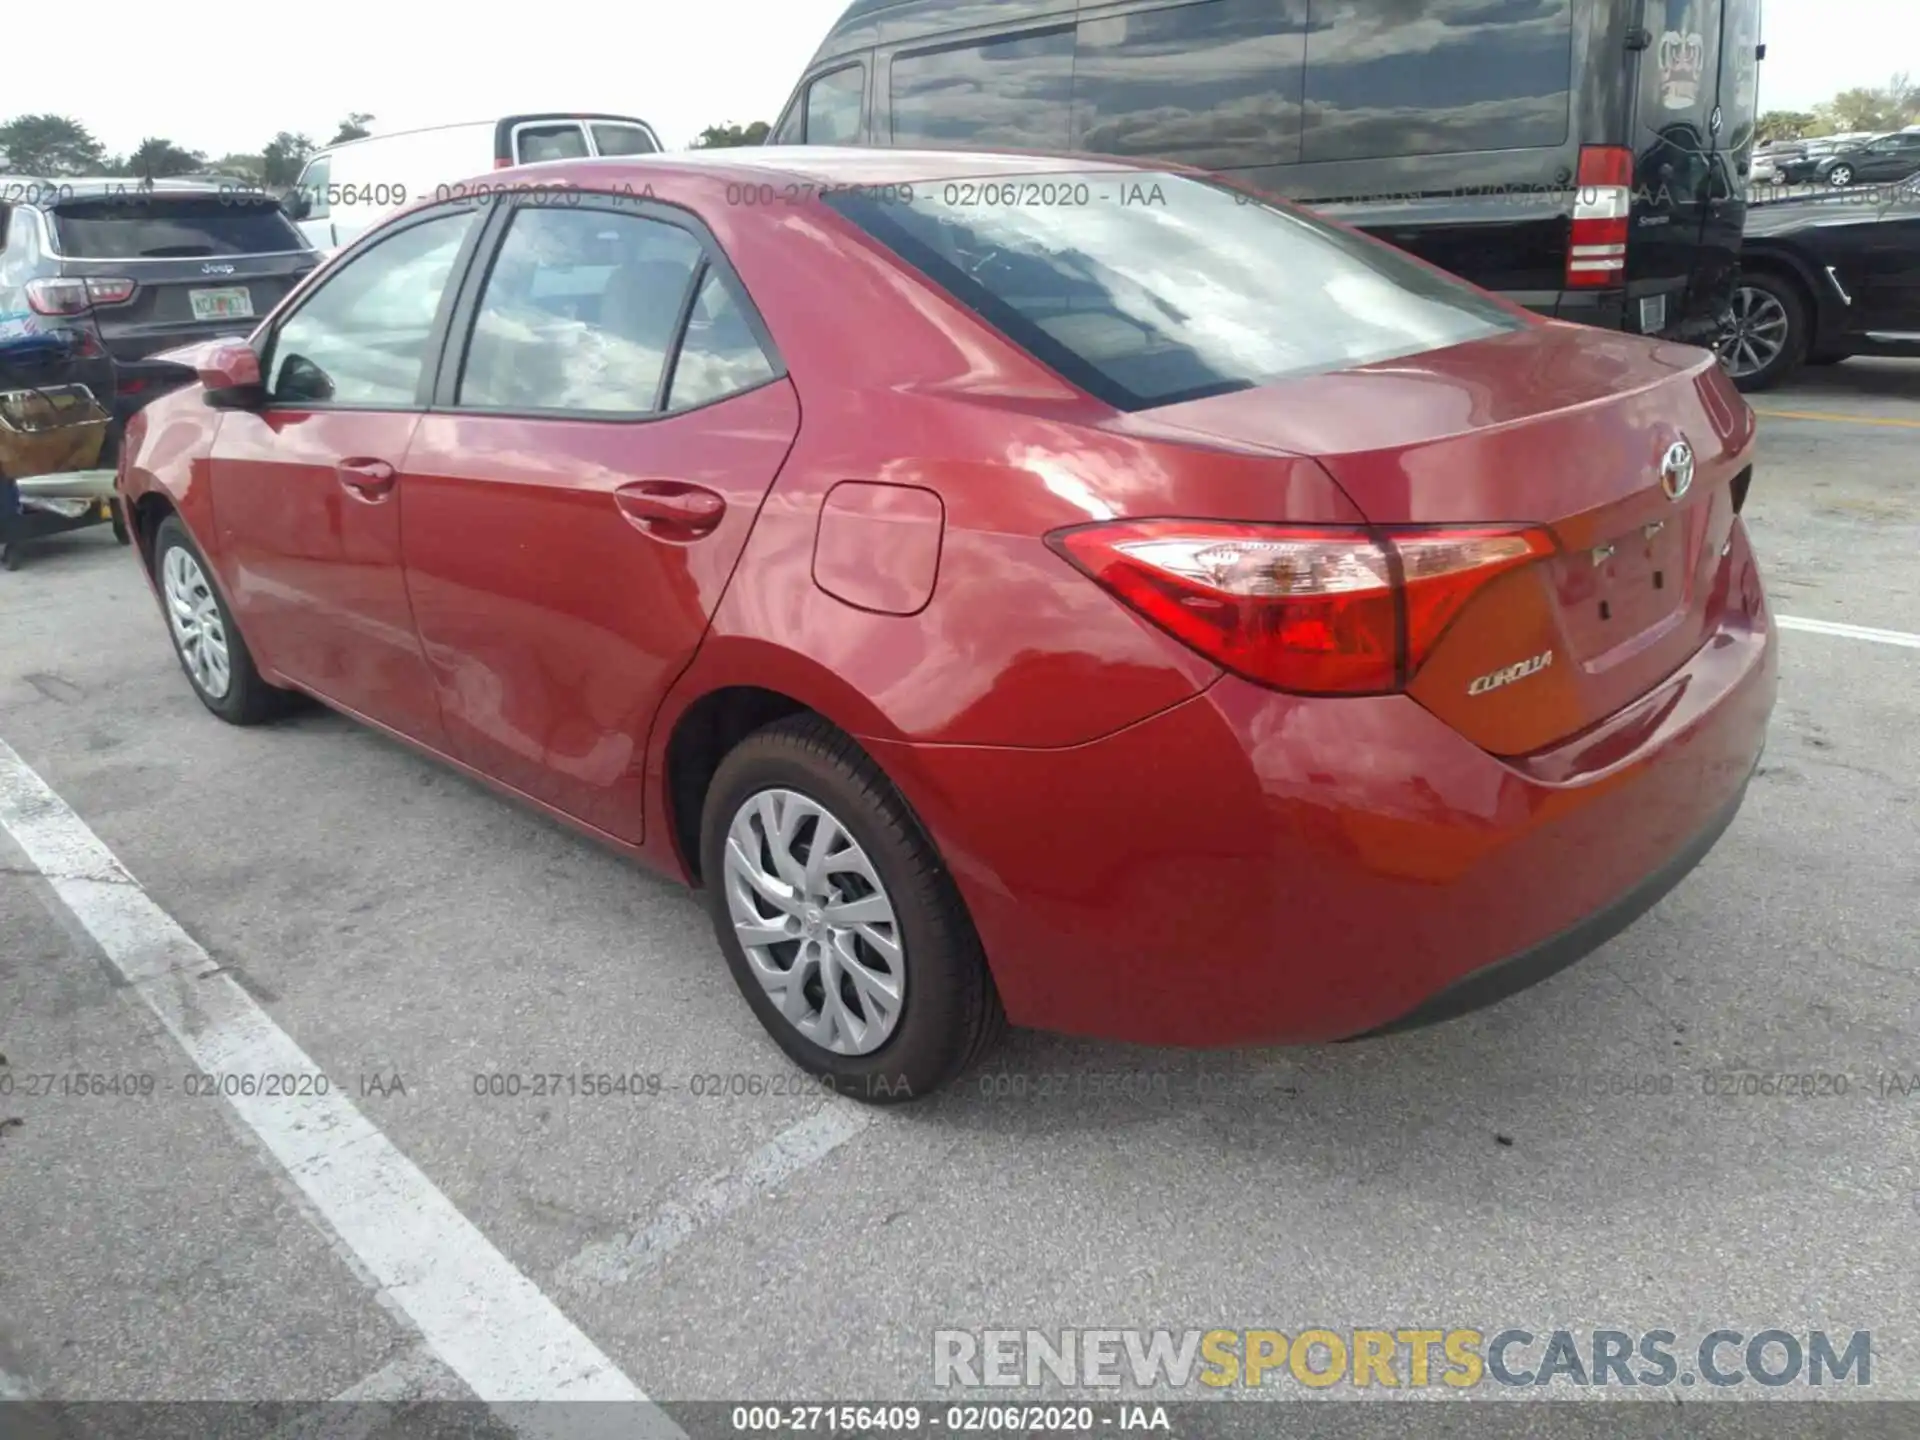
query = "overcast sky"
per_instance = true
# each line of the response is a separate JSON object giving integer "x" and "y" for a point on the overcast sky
{"x": 682, "y": 65}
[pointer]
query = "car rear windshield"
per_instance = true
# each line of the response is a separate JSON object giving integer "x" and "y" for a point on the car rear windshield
{"x": 172, "y": 227}
{"x": 1147, "y": 289}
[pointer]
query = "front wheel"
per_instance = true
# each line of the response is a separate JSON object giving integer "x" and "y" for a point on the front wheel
{"x": 842, "y": 926}
{"x": 1840, "y": 176}
{"x": 1766, "y": 337}
{"x": 209, "y": 644}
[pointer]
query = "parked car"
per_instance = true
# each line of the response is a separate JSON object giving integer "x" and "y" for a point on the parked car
{"x": 1888, "y": 158}
{"x": 349, "y": 187}
{"x": 1825, "y": 277}
{"x": 1805, "y": 168}
{"x": 130, "y": 269}
{"x": 1047, "y": 587}
{"x": 1581, "y": 157}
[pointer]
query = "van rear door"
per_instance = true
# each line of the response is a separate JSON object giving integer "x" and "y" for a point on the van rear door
{"x": 1695, "y": 95}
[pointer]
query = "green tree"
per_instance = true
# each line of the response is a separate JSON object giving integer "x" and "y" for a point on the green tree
{"x": 717, "y": 137}
{"x": 156, "y": 159}
{"x": 1888, "y": 108}
{"x": 354, "y": 127}
{"x": 1784, "y": 125}
{"x": 48, "y": 145}
{"x": 282, "y": 158}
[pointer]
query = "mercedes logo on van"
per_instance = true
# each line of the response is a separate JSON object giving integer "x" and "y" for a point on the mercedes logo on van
{"x": 1676, "y": 470}
{"x": 216, "y": 269}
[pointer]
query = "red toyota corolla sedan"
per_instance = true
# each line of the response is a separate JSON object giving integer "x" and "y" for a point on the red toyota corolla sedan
{"x": 1013, "y": 588}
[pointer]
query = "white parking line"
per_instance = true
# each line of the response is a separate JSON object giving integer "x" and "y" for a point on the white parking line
{"x": 608, "y": 1262}
{"x": 481, "y": 1317}
{"x": 1849, "y": 632}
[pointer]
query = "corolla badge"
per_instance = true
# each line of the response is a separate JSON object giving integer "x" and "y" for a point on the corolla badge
{"x": 1511, "y": 673}
{"x": 1676, "y": 470}
{"x": 216, "y": 269}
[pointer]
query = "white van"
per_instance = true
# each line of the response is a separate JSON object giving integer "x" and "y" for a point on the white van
{"x": 347, "y": 188}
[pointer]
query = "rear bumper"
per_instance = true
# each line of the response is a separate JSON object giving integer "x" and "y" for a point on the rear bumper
{"x": 1251, "y": 868}
{"x": 1494, "y": 983}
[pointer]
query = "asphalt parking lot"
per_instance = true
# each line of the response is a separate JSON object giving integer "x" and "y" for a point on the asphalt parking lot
{"x": 726, "y": 1234}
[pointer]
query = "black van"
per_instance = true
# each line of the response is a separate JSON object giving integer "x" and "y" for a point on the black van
{"x": 1586, "y": 158}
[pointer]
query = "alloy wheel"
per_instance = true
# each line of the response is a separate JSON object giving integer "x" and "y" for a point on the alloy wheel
{"x": 815, "y": 922}
{"x": 194, "y": 616}
{"x": 1840, "y": 176}
{"x": 1757, "y": 335}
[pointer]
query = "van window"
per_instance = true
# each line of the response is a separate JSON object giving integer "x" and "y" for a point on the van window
{"x": 1148, "y": 288}
{"x": 314, "y": 181}
{"x": 558, "y": 140}
{"x": 1016, "y": 90}
{"x": 832, "y": 112}
{"x": 1215, "y": 84}
{"x": 1437, "y": 77}
{"x": 611, "y": 139}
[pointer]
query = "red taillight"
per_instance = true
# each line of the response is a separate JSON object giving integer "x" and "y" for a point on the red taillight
{"x": 76, "y": 297}
{"x": 503, "y": 163}
{"x": 1313, "y": 611}
{"x": 1597, "y": 247}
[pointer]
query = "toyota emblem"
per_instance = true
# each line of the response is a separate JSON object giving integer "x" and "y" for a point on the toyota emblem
{"x": 1676, "y": 470}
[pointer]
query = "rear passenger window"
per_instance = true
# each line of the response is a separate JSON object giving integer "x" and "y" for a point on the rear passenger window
{"x": 1215, "y": 84}
{"x": 579, "y": 313}
{"x": 833, "y": 106}
{"x": 720, "y": 355}
{"x": 1015, "y": 91}
{"x": 1458, "y": 75}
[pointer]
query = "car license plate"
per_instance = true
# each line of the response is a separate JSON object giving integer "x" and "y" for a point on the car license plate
{"x": 234, "y": 302}
{"x": 1653, "y": 314}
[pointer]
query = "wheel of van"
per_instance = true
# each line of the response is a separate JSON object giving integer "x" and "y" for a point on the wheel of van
{"x": 1766, "y": 339}
{"x": 1840, "y": 175}
{"x": 842, "y": 926}
{"x": 207, "y": 642}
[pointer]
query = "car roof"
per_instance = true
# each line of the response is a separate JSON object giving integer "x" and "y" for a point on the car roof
{"x": 822, "y": 165}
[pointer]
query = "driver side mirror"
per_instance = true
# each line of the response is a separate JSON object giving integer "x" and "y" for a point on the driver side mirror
{"x": 297, "y": 203}
{"x": 230, "y": 375}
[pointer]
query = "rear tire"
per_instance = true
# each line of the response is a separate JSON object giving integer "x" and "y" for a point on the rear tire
{"x": 1768, "y": 338}
{"x": 207, "y": 643}
{"x": 800, "y": 825}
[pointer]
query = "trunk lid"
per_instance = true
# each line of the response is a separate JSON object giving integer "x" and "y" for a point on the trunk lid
{"x": 1555, "y": 425}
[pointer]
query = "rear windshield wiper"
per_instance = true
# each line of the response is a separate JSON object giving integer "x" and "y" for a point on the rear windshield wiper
{"x": 177, "y": 252}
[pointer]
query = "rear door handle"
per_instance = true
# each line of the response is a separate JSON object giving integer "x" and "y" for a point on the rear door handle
{"x": 671, "y": 509}
{"x": 369, "y": 479}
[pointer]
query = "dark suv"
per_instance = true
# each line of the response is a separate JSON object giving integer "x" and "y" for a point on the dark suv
{"x": 126, "y": 269}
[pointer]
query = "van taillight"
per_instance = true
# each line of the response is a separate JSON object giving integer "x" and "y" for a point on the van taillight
{"x": 503, "y": 163}
{"x": 1597, "y": 248}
